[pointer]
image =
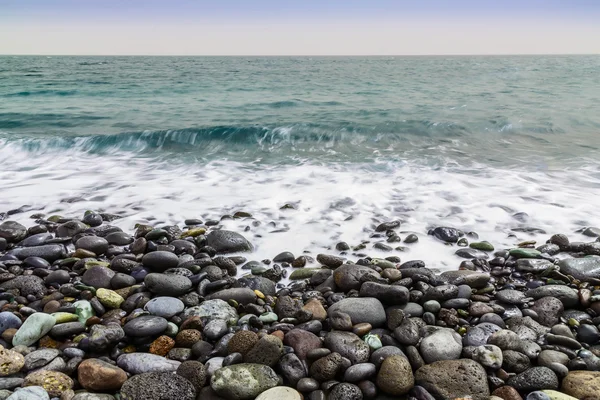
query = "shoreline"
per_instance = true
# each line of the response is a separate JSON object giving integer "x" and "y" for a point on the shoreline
{"x": 164, "y": 312}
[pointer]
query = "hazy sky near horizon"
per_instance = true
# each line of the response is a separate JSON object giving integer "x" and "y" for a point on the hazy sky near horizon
{"x": 299, "y": 27}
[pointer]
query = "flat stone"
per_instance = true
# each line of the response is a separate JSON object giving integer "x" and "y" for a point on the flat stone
{"x": 33, "y": 329}
{"x": 145, "y": 325}
{"x": 581, "y": 384}
{"x": 581, "y": 268}
{"x": 565, "y": 294}
{"x": 450, "y": 379}
{"x": 240, "y": 295}
{"x": 158, "y": 386}
{"x": 243, "y": 381}
{"x": 139, "y": 363}
{"x": 165, "y": 306}
{"x": 360, "y": 310}
{"x": 49, "y": 252}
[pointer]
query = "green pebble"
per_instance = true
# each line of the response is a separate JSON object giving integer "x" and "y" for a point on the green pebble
{"x": 258, "y": 269}
{"x": 268, "y": 317}
{"x": 63, "y": 317}
{"x": 172, "y": 329}
{"x": 83, "y": 310}
{"x": 303, "y": 273}
{"x": 156, "y": 234}
{"x": 109, "y": 298}
{"x": 373, "y": 341}
{"x": 483, "y": 246}
{"x": 524, "y": 253}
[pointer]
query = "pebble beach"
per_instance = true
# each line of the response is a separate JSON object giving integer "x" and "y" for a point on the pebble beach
{"x": 89, "y": 311}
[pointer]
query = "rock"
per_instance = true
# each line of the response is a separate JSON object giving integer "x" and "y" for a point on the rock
{"x": 280, "y": 393}
{"x": 160, "y": 261}
{"x": 262, "y": 284}
{"x": 343, "y": 391}
{"x": 95, "y": 244}
{"x": 27, "y": 285}
{"x": 98, "y": 375}
{"x": 326, "y": 368}
{"x": 348, "y": 345}
{"x": 489, "y": 356}
{"x": 330, "y": 261}
{"x": 360, "y": 310}
{"x": 510, "y": 296}
{"x": 292, "y": 368}
{"x": 158, "y": 386}
{"x": 388, "y": 294}
{"x": 12, "y": 231}
{"x": 145, "y": 325}
{"x": 243, "y": 381}
{"x": 524, "y": 253}
{"x": 442, "y": 344}
{"x": 535, "y": 378}
{"x": 581, "y": 268}
{"x": 33, "y": 329}
{"x": 167, "y": 285}
{"x": 588, "y": 334}
{"x": 228, "y": 242}
{"x": 552, "y": 395}
{"x": 316, "y": 309}
{"x": 302, "y": 342}
{"x": 39, "y": 358}
{"x": 565, "y": 294}
{"x": 240, "y": 295}
{"x": 266, "y": 351}
{"x": 483, "y": 246}
{"x": 55, "y": 383}
{"x": 9, "y": 320}
{"x": 29, "y": 393}
{"x": 98, "y": 277}
{"x": 165, "y": 307}
{"x": 470, "y": 254}
{"x": 195, "y": 372}
{"x": 549, "y": 310}
{"x": 102, "y": 337}
{"x": 407, "y": 333}
{"x": 449, "y": 235}
{"x": 213, "y": 309}
{"x": 395, "y": 376}
{"x": 507, "y": 393}
{"x": 514, "y": 361}
{"x": 139, "y": 363}
{"x": 109, "y": 298}
{"x": 350, "y": 276}
{"x": 450, "y": 379}
{"x": 474, "y": 279}
{"x": 11, "y": 362}
{"x": 532, "y": 265}
{"x": 360, "y": 372}
{"x": 580, "y": 384}
{"x": 49, "y": 252}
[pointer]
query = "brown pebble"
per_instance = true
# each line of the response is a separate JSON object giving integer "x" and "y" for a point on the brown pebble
{"x": 162, "y": 346}
{"x": 188, "y": 337}
{"x": 51, "y": 307}
{"x": 8, "y": 334}
{"x": 192, "y": 323}
{"x": 507, "y": 393}
{"x": 316, "y": 309}
{"x": 362, "y": 329}
{"x": 278, "y": 334}
{"x": 93, "y": 321}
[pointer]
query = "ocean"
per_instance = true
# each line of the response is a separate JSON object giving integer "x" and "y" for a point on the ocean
{"x": 318, "y": 149}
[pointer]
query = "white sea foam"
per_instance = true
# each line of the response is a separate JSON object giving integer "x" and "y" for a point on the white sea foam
{"x": 474, "y": 198}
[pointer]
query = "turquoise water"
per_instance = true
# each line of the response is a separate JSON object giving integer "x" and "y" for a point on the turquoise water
{"x": 463, "y": 141}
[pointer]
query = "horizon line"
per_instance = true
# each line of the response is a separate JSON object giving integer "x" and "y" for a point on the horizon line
{"x": 302, "y": 55}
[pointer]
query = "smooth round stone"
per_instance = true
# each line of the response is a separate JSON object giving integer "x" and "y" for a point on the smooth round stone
{"x": 307, "y": 385}
{"x": 36, "y": 262}
{"x": 588, "y": 334}
{"x": 9, "y": 320}
{"x": 167, "y": 285}
{"x": 59, "y": 276}
{"x": 432, "y": 306}
{"x": 280, "y": 393}
{"x": 67, "y": 329}
{"x": 95, "y": 244}
{"x": 510, "y": 296}
{"x": 359, "y": 372}
{"x": 139, "y": 363}
{"x": 413, "y": 310}
{"x": 145, "y": 325}
{"x": 29, "y": 393}
{"x": 33, "y": 329}
{"x": 165, "y": 307}
{"x": 160, "y": 261}
{"x": 120, "y": 281}
{"x": 98, "y": 277}
{"x": 442, "y": 344}
{"x": 215, "y": 329}
{"x": 119, "y": 238}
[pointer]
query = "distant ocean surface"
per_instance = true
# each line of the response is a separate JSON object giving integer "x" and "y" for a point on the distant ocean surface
{"x": 503, "y": 146}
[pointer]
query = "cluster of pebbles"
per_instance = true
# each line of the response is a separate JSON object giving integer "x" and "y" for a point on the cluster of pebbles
{"x": 90, "y": 312}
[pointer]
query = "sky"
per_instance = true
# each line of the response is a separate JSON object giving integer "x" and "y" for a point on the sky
{"x": 299, "y": 27}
